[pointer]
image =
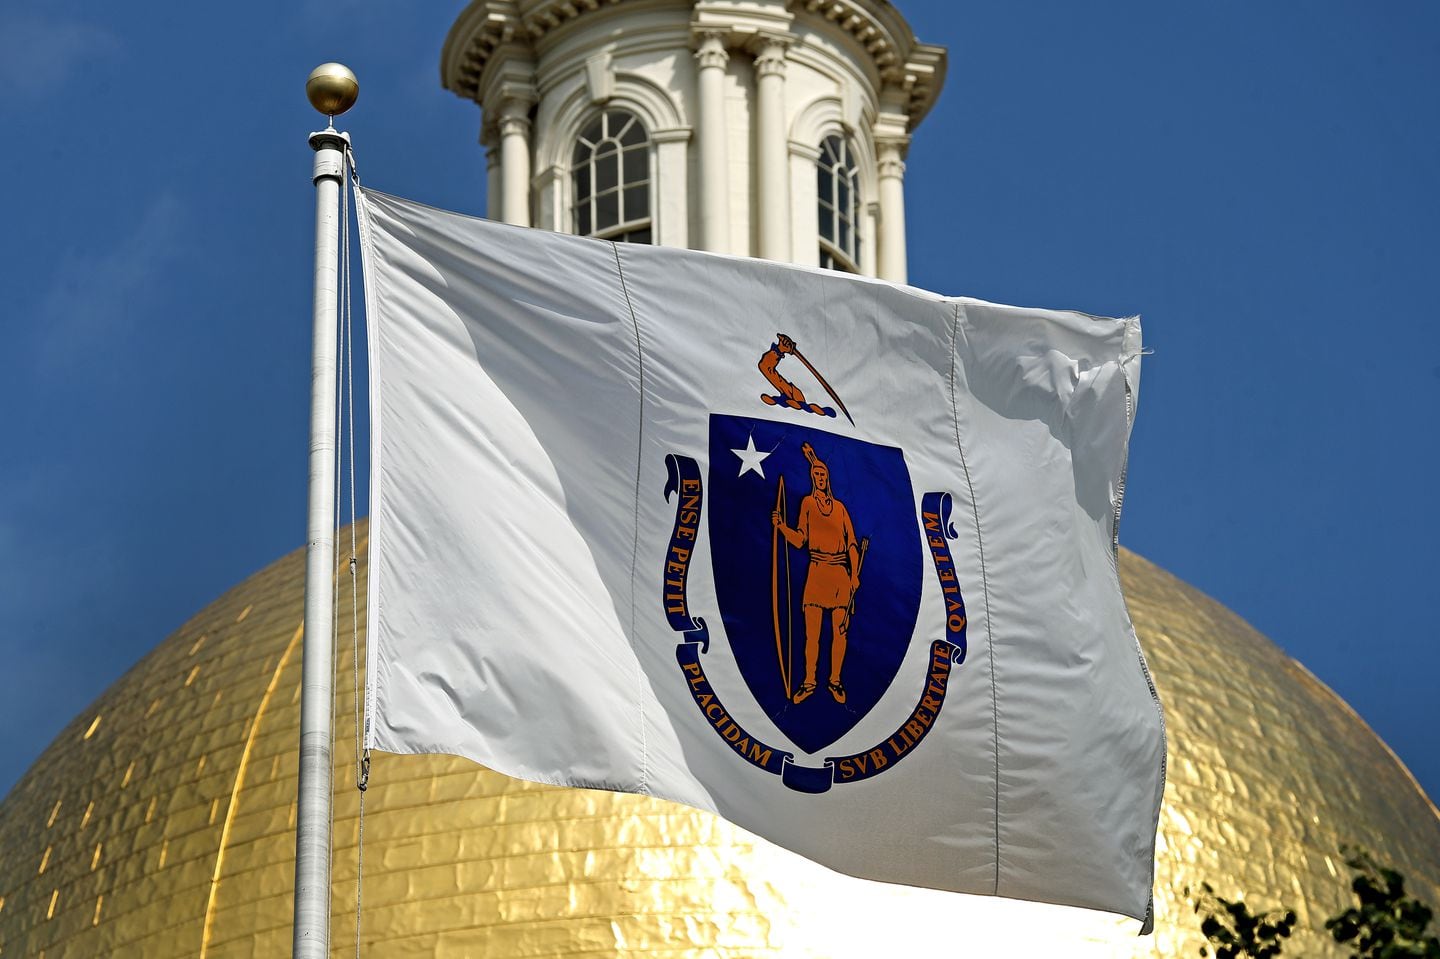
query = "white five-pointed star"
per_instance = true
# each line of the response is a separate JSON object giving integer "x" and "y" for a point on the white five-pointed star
{"x": 750, "y": 458}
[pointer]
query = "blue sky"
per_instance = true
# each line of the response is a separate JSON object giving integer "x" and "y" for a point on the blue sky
{"x": 1258, "y": 180}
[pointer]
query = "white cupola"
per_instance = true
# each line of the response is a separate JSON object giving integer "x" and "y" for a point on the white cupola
{"x": 773, "y": 128}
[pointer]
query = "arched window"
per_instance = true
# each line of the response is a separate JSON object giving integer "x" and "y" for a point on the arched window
{"x": 838, "y": 183}
{"x": 610, "y": 171}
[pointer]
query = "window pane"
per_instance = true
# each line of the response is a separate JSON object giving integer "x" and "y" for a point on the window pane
{"x": 610, "y": 176}
{"x": 838, "y": 198}
{"x": 632, "y": 135}
{"x": 607, "y": 210}
{"x": 637, "y": 202}
{"x": 638, "y": 236}
{"x": 637, "y": 164}
{"x": 607, "y": 172}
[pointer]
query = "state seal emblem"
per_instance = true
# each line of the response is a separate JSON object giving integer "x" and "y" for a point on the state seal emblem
{"x": 818, "y": 545}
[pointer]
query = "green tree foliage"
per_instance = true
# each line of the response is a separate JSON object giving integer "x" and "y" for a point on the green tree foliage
{"x": 1234, "y": 932}
{"x": 1386, "y": 924}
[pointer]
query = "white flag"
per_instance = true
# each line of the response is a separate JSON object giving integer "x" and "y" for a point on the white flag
{"x": 830, "y": 557}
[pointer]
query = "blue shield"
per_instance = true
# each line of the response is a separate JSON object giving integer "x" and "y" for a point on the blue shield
{"x": 779, "y": 597}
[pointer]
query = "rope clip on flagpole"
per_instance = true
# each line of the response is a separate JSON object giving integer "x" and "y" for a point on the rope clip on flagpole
{"x": 332, "y": 89}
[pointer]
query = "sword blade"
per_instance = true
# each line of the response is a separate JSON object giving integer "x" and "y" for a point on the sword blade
{"x": 821, "y": 379}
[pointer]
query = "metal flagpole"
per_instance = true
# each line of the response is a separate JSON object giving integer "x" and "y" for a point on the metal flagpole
{"x": 332, "y": 90}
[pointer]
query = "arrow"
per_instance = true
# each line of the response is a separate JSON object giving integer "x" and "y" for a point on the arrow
{"x": 859, "y": 565}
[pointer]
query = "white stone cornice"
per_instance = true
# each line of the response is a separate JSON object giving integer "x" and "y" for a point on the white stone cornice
{"x": 486, "y": 25}
{"x": 673, "y": 135}
{"x": 879, "y": 28}
{"x": 513, "y": 79}
{"x": 479, "y": 30}
{"x": 545, "y": 15}
{"x": 875, "y": 25}
{"x": 743, "y": 20}
{"x": 806, "y": 150}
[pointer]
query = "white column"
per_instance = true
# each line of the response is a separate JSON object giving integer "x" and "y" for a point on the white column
{"x": 551, "y": 210}
{"x": 891, "y": 259}
{"x": 711, "y": 58}
{"x": 515, "y": 161}
{"x": 773, "y": 179}
{"x": 493, "y": 186}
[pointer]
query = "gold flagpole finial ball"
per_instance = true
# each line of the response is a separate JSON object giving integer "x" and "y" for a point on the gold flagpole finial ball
{"x": 332, "y": 88}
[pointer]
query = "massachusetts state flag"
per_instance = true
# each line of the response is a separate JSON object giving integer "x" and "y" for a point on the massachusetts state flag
{"x": 830, "y": 557}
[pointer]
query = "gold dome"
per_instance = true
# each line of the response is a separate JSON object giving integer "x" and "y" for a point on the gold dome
{"x": 160, "y": 822}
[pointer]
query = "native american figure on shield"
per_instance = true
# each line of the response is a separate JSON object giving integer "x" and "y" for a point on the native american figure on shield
{"x": 833, "y": 575}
